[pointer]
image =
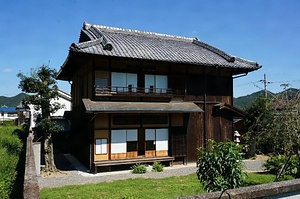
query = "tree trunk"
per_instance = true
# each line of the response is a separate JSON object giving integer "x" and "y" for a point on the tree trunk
{"x": 49, "y": 156}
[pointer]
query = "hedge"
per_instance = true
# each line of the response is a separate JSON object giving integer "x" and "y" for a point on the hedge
{"x": 10, "y": 150}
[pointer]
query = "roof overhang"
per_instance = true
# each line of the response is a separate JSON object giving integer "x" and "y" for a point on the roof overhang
{"x": 140, "y": 107}
{"x": 234, "y": 110}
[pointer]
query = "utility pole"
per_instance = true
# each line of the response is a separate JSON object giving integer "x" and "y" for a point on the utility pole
{"x": 265, "y": 82}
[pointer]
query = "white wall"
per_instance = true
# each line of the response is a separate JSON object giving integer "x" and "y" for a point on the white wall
{"x": 5, "y": 116}
{"x": 64, "y": 99}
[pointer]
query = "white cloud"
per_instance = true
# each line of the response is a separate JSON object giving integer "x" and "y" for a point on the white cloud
{"x": 194, "y": 32}
{"x": 7, "y": 70}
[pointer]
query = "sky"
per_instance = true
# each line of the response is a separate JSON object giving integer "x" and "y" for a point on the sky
{"x": 37, "y": 32}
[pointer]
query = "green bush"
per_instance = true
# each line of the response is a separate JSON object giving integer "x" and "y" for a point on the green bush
{"x": 10, "y": 150}
{"x": 7, "y": 172}
{"x": 276, "y": 162}
{"x": 139, "y": 168}
{"x": 157, "y": 167}
{"x": 10, "y": 141}
{"x": 220, "y": 166}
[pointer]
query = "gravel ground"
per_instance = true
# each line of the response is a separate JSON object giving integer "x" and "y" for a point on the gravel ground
{"x": 73, "y": 173}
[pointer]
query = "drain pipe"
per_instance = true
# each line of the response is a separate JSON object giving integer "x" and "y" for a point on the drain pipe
{"x": 242, "y": 75}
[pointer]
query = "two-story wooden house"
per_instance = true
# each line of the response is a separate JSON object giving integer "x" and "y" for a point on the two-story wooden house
{"x": 143, "y": 97}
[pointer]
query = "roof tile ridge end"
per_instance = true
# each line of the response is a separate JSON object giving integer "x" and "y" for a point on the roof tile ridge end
{"x": 249, "y": 61}
{"x": 82, "y": 45}
{"x": 86, "y": 25}
{"x": 96, "y": 32}
{"x": 223, "y": 54}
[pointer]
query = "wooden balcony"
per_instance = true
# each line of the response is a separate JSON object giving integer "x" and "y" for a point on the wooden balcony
{"x": 133, "y": 91}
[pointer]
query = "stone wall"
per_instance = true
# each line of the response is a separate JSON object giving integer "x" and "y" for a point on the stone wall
{"x": 31, "y": 187}
{"x": 288, "y": 189}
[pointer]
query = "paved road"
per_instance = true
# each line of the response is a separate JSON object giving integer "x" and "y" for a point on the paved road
{"x": 73, "y": 173}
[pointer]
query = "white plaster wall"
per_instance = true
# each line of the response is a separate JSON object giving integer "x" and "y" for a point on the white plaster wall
{"x": 64, "y": 99}
{"x": 5, "y": 117}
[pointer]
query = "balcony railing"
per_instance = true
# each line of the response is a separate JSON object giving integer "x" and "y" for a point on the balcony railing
{"x": 130, "y": 90}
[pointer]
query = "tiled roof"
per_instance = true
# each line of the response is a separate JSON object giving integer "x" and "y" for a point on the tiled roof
{"x": 117, "y": 42}
{"x": 6, "y": 109}
{"x": 140, "y": 107}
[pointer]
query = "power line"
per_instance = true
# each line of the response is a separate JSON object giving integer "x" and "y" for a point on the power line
{"x": 275, "y": 82}
{"x": 265, "y": 82}
{"x": 263, "y": 89}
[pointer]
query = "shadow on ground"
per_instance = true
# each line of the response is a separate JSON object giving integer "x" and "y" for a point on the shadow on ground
{"x": 62, "y": 163}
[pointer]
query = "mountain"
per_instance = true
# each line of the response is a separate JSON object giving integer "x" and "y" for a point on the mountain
{"x": 12, "y": 101}
{"x": 244, "y": 101}
{"x": 290, "y": 92}
{"x": 239, "y": 102}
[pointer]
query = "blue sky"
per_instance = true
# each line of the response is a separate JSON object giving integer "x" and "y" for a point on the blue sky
{"x": 37, "y": 32}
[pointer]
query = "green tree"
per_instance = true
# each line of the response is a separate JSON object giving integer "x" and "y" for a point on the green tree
{"x": 41, "y": 84}
{"x": 259, "y": 124}
{"x": 287, "y": 124}
{"x": 274, "y": 125}
{"x": 220, "y": 166}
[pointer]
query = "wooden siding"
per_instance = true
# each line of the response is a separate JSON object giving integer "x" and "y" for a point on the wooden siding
{"x": 205, "y": 87}
{"x": 150, "y": 153}
{"x": 177, "y": 119}
{"x": 131, "y": 155}
{"x": 101, "y": 121}
{"x": 118, "y": 156}
{"x": 162, "y": 153}
{"x": 194, "y": 135}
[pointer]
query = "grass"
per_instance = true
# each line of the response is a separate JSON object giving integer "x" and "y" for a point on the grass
{"x": 143, "y": 188}
{"x": 259, "y": 178}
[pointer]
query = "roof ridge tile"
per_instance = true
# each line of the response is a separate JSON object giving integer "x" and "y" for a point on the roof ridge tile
{"x": 87, "y": 26}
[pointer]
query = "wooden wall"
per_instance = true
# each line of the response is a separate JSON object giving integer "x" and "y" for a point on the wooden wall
{"x": 205, "y": 86}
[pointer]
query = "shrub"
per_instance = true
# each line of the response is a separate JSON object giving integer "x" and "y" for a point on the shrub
{"x": 10, "y": 141}
{"x": 7, "y": 172}
{"x": 139, "y": 168}
{"x": 157, "y": 167}
{"x": 220, "y": 166}
{"x": 10, "y": 150}
{"x": 276, "y": 162}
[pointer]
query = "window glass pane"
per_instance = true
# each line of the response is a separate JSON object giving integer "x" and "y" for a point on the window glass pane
{"x": 118, "y": 141}
{"x": 149, "y": 83}
{"x": 161, "y": 83}
{"x": 150, "y": 145}
{"x": 118, "y": 80}
{"x": 101, "y": 80}
{"x": 132, "y": 135}
{"x": 131, "y": 79}
{"x": 162, "y": 137}
{"x": 104, "y": 146}
{"x": 98, "y": 146}
{"x": 131, "y": 146}
{"x": 150, "y": 134}
{"x": 101, "y": 146}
